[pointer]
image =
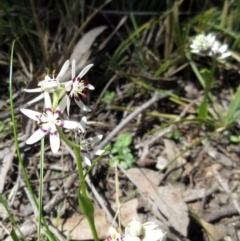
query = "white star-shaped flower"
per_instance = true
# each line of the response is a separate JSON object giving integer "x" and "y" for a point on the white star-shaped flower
{"x": 202, "y": 43}
{"x": 114, "y": 234}
{"x": 78, "y": 88}
{"x": 87, "y": 145}
{"x": 208, "y": 45}
{"x": 47, "y": 122}
{"x": 136, "y": 231}
{"x": 48, "y": 84}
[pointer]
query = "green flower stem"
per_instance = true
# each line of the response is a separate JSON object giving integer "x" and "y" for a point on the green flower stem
{"x": 80, "y": 171}
{"x": 85, "y": 203}
{"x": 214, "y": 65}
{"x": 55, "y": 99}
{"x": 89, "y": 213}
{"x": 65, "y": 139}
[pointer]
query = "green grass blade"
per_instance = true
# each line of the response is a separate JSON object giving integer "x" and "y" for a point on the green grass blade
{"x": 15, "y": 130}
{"x": 234, "y": 105}
{"x": 11, "y": 217}
{"x": 41, "y": 188}
{"x": 14, "y": 235}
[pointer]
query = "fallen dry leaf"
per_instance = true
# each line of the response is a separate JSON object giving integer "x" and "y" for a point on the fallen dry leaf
{"x": 171, "y": 152}
{"x": 85, "y": 43}
{"x": 128, "y": 210}
{"x": 216, "y": 233}
{"x": 166, "y": 200}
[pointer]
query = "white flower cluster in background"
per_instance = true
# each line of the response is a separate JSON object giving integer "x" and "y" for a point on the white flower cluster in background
{"x": 75, "y": 89}
{"x": 136, "y": 231}
{"x": 207, "y": 45}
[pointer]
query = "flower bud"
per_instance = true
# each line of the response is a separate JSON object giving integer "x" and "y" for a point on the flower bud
{"x": 134, "y": 229}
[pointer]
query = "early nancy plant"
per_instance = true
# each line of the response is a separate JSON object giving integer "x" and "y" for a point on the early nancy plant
{"x": 207, "y": 45}
{"x": 57, "y": 94}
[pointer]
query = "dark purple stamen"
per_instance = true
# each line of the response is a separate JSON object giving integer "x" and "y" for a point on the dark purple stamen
{"x": 76, "y": 98}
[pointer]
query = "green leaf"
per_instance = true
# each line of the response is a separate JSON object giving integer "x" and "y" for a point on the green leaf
{"x": 49, "y": 235}
{"x": 124, "y": 165}
{"x": 14, "y": 235}
{"x": 234, "y": 105}
{"x": 124, "y": 140}
{"x": 120, "y": 157}
{"x": 176, "y": 134}
{"x": 129, "y": 156}
{"x": 125, "y": 151}
{"x": 208, "y": 78}
{"x": 108, "y": 97}
{"x": 114, "y": 150}
{"x": 166, "y": 66}
{"x": 203, "y": 109}
{"x": 112, "y": 162}
{"x": 235, "y": 139}
{"x": 86, "y": 205}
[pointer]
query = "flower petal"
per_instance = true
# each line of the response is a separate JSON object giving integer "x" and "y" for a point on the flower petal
{"x": 130, "y": 238}
{"x": 86, "y": 158}
{"x": 96, "y": 139}
{"x": 69, "y": 124}
{"x": 31, "y": 114}
{"x": 68, "y": 105}
{"x": 73, "y": 69}
{"x": 90, "y": 87}
{"x": 63, "y": 69}
{"x": 32, "y": 90}
{"x": 223, "y": 48}
{"x": 48, "y": 102}
{"x": 100, "y": 152}
{"x": 81, "y": 105}
{"x": 36, "y": 136}
{"x": 82, "y": 124}
{"x": 225, "y": 55}
{"x": 85, "y": 70}
{"x": 54, "y": 141}
{"x": 36, "y": 99}
{"x": 68, "y": 85}
{"x": 153, "y": 235}
{"x": 50, "y": 86}
{"x": 114, "y": 234}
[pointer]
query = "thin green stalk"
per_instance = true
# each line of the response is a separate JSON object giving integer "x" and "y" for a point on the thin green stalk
{"x": 77, "y": 152}
{"x": 88, "y": 208}
{"x": 41, "y": 189}
{"x": 195, "y": 70}
{"x": 85, "y": 203}
{"x": 11, "y": 217}
{"x": 64, "y": 138}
